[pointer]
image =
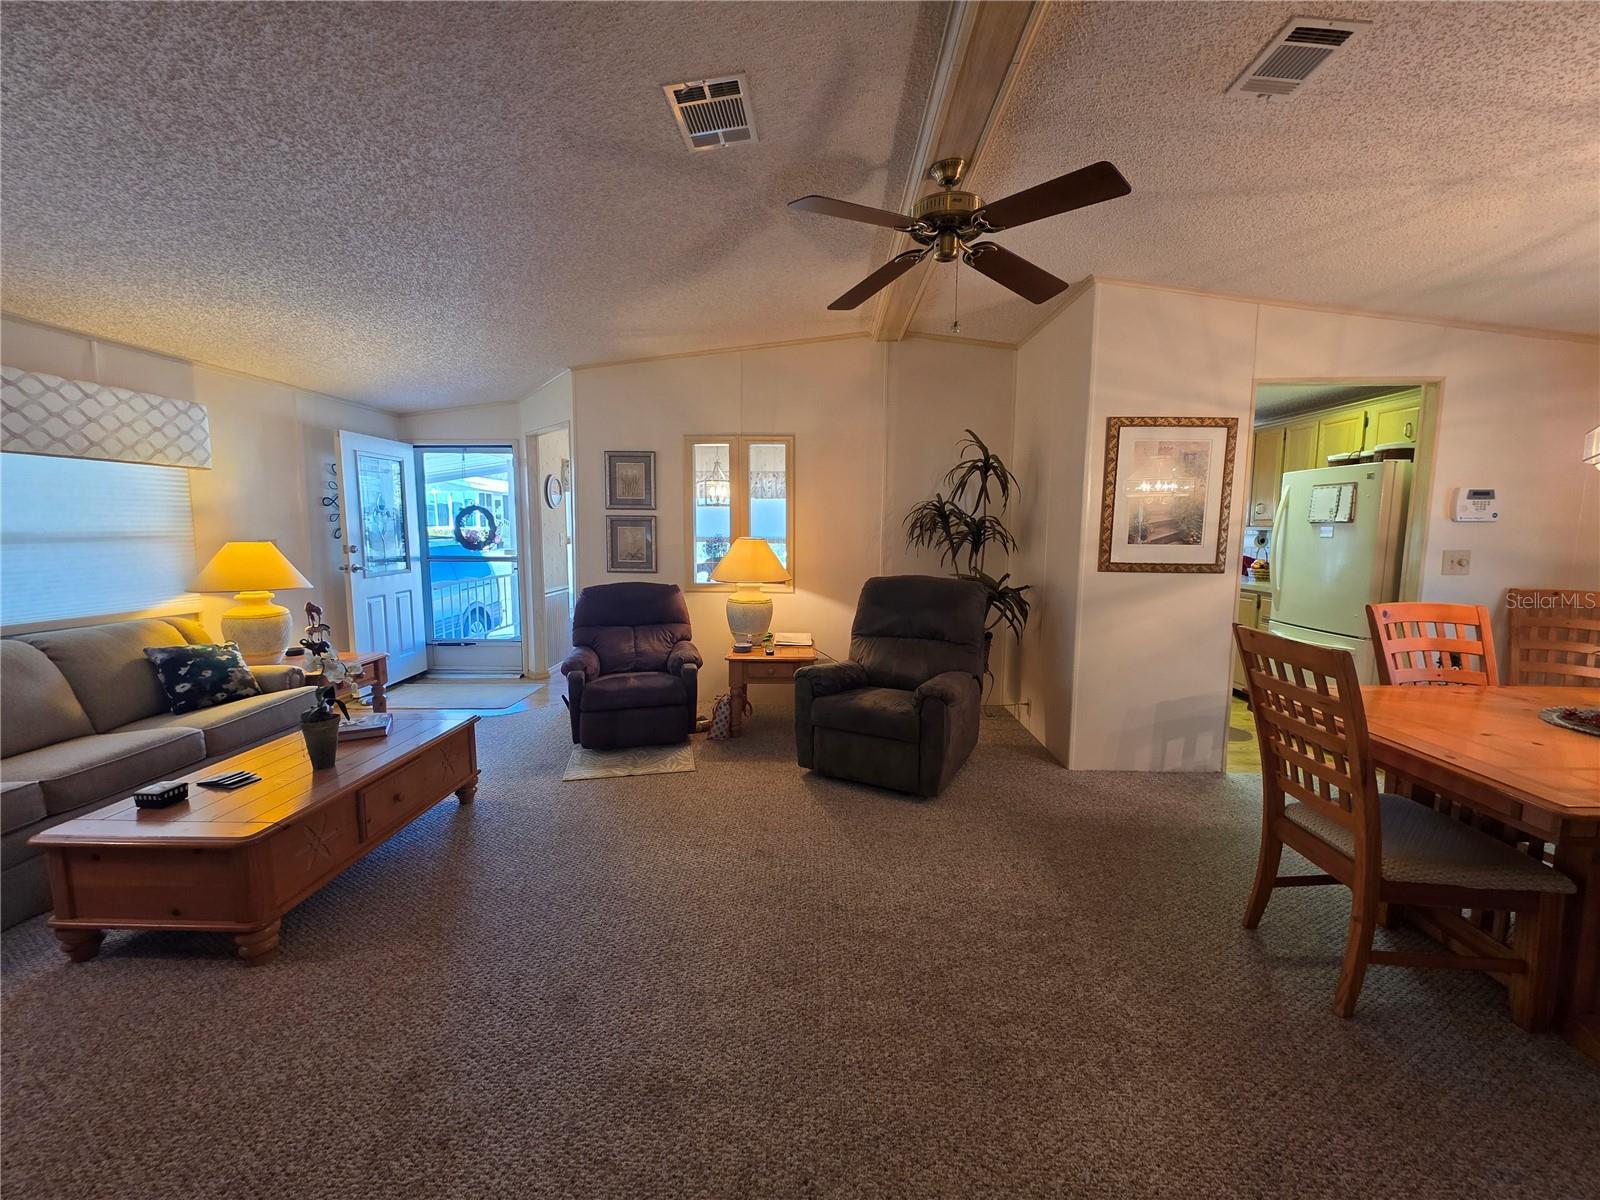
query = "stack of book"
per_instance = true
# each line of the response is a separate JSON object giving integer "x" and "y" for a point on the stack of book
{"x": 367, "y": 725}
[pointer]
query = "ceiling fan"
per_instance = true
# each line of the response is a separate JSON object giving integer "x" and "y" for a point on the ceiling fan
{"x": 946, "y": 225}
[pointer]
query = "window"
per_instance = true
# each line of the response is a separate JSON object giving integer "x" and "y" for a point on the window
{"x": 738, "y": 487}
{"x": 84, "y": 538}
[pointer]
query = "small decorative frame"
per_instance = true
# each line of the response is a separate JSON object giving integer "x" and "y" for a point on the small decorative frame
{"x": 1167, "y": 494}
{"x": 631, "y": 545}
{"x": 630, "y": 478}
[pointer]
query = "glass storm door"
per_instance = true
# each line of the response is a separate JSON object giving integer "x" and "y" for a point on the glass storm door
{"x": 471, "y": 545}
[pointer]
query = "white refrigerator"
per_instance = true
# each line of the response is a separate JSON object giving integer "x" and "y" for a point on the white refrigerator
{"x": 1337, "y": 542}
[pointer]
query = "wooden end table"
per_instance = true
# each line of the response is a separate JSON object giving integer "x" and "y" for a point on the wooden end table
{"x": 371, "y": 669}
{"x": 760, "y": 667}
{"x": 235, "y": 862}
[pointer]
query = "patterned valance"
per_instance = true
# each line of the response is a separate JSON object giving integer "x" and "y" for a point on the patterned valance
{"x": 66, "y": 418}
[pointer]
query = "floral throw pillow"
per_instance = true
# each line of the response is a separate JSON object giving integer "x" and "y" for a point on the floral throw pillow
{"x": 196, "y": 677}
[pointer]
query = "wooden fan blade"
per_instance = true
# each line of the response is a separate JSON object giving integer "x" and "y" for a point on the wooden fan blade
{"x": 1091, "y": 185}
{"x": 1015, "y": 272}
{"x": 829, "y": 207}
{"x": 879, "y": 279}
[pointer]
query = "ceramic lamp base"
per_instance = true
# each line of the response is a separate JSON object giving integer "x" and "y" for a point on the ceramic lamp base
{"x": 262, "y": 629}
{"x": 749, "y": 615}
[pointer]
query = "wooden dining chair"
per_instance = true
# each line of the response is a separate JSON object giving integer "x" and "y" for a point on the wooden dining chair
{"x": 1420, "y": 643}
{"x": 1320, "y": 798}
{"x": 1555, "y": 637}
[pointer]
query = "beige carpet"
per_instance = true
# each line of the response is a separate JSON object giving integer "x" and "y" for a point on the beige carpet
{"x": 748, "y": 981}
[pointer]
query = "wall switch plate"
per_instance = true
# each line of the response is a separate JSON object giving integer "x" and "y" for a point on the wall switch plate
{"x": 1457, "y": 562}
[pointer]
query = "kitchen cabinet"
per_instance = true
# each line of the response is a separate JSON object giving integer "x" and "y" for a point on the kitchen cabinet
{"x": 1252, "y": 612}
{"x": 1303, "y": 444}
{"x": 1300, "y": 446}
{"x": 1396, "y": 420}
{"x": 1340, "y": 433}
{"x": 1266, "y": 472}
{"x": 1245, "y": 615}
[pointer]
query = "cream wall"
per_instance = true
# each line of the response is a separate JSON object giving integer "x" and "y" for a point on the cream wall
{"x": 938, "y": 390}
{"x": 872, "y": 425}
{"x": 1151, "y": 661}
{"x": 1054, "y": 375}
{"x": 547, "y": 405}
{"x": 1141, "y": 661}
{"x": 272, "y": 446}
{"x": 480, "y": 422}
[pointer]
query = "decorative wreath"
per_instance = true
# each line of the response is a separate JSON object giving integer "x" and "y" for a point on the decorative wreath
{"x": 474, "y": 538}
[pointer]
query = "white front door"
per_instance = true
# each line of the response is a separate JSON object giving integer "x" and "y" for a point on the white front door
{"x": 383, "y": 564}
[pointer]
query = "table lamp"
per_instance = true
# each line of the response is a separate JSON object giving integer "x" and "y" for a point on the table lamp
{"x": 748, "y": 564}
{"x": 253, "y": 570}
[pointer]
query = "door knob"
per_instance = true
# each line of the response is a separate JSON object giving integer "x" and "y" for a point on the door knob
{"x": 352, "y": 567}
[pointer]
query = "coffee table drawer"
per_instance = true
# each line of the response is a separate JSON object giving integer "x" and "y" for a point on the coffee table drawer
{"x": 394, "y": 799}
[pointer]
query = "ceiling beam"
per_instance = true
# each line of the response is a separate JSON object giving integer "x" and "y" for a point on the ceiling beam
{"x": 984, "y": 44}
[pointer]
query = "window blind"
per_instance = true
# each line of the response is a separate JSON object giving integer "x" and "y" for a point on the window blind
{"x": 82, "y": 537}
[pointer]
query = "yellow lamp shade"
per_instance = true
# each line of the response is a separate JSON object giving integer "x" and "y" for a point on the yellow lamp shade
{"x": 750, "y": 560}
{"x": 249, "y": 567}
{"x": 253, "y": 570}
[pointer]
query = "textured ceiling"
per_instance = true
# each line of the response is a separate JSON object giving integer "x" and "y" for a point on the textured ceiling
{"x": 421, "y": 205}
{"x": 1445, "y": 164}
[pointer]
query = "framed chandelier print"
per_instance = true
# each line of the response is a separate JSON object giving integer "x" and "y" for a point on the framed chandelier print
{"x": 1167, "y": 493}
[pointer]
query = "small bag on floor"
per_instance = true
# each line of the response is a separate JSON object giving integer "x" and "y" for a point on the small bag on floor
{"x": 722, "y": 717}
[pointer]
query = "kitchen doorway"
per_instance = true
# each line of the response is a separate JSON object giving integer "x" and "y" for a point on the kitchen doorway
{"x": 1336, "y": 487}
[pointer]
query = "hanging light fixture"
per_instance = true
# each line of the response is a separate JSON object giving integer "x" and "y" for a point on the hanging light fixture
{"x": 715, "y": 488}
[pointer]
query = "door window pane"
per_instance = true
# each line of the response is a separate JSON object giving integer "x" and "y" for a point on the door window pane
{"x": 380, "y": 491}
{"x": 713, "y": 506}
{"x": 769, "y": 496}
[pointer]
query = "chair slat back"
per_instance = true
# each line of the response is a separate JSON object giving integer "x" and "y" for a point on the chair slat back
{"x": 1313, "y": 732}
{"x": 1555, "y": 637}
{"x": 1433, "y": 644}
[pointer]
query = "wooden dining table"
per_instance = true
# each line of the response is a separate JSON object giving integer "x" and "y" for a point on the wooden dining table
{"x": 1488, "y": 748}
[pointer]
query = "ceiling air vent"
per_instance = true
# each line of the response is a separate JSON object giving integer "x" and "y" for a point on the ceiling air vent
{"x": 1301, "y": 46}
{"x": 712, "y": 112}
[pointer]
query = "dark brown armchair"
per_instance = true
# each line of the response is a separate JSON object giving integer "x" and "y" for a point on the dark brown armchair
{"x": 903, "y": 712}
{"x": 632, "y": 673}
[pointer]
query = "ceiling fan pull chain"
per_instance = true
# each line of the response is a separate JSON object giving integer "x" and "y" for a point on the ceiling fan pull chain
{"x": 955, "y": 325}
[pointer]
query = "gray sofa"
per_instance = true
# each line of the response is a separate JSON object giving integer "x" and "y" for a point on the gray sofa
{"x": 903, "y": 712}
{"x": 83, "y": 722}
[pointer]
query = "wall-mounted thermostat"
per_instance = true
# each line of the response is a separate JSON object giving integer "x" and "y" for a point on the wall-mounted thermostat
{"x": 1475, "y": 504}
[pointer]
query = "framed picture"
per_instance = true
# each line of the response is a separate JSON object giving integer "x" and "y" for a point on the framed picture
{"x": 630, "y": 479}
{"x": 1167, "y": 492}
{"x": 631, "y": 544}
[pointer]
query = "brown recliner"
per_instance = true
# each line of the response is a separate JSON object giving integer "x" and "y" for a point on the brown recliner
{"x": 903, "y": 712}
{"x": 632, "y": 673}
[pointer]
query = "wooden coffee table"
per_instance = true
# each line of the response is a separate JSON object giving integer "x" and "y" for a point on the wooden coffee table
{"x": 235, "y": 862}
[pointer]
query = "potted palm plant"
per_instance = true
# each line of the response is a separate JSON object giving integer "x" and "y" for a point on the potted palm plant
{"x": 965, "y": 525}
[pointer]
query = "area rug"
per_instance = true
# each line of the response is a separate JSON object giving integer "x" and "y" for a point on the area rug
{"x": 640, "y": 760}
{"x": 477, "y": 694}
